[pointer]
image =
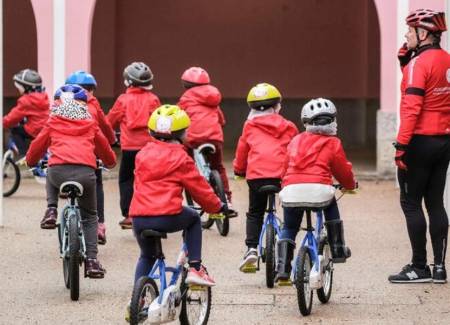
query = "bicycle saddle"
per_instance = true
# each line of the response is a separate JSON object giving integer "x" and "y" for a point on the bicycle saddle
{"x": 206, "y": 148}
{"x": 71, "y": 188}
{"x": 149, "y": 233}
{"x": 269, "y": 189}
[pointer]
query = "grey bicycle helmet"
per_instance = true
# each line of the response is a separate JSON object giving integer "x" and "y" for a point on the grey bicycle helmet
{"x": 137, "y": 74}
{"x": 318, "y": 109}
{"x": 29, "y": 79}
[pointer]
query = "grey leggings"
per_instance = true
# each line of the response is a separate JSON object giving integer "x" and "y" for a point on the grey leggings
{"x": 88, "y": 201}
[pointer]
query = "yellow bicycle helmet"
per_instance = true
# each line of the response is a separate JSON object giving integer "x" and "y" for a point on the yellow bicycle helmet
{"x": 168, "y": 122}
{"x": 263, "y": 96}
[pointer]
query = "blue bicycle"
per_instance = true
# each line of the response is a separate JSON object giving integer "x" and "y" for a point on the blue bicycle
{"x": 174, "y": 298}
{"x": 269, "y": 233}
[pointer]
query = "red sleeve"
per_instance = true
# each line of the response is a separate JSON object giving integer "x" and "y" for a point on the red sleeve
{"x": 103, "y": 150}
{"x": 104, "y": 125}
{"x": 116, "y": 113}
{"x": 341, "y": 168}
{"x": 286, "y": 159}
{"x": 198, "y": 187}
{"x": 222, "y": 120}
{"x": 17, "y": 114}
{"x": 38, "y": 147}
{"x": 413, "y": 92}
{"x": 240, "y": 161}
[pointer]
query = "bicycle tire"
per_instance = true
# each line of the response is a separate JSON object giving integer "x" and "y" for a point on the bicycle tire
{"x": 270, "y": 256}
{"x": 223, "y": 225}
{"x": 136, "y": 305}
{"x": 324, "y": 293}
{"x": 304, "y": 293}
{"x": 185, "y": 303}
{"x": 74, "y": 258}
{"x": 15, "y": 175}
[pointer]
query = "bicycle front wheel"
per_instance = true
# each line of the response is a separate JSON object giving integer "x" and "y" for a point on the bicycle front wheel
{"x": 304, "y": 292}
{"x": 195, "y": 304}
{"x": 74, "y": 259}
{"x": 324, "y": 293}
{"x": 270, "y": 256}
{"x": 11, "y": 177}
{"x": 144, "y": 292}
{"x": 223, "y": 225}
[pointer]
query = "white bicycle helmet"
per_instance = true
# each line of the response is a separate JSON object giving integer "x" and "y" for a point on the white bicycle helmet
{"x": 318, "y": 108}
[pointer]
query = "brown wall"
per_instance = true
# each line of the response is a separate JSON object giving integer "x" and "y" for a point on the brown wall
{"x": 19, "y": 41}
{"x": 307, "y": 48}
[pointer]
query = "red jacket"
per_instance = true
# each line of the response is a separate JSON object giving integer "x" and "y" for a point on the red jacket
{"x": 162, "y": 171}
{"x": 315, "y": 158}
{"x": 261, "y": 150}
{"x": 97, "y": 113}
{"x": 71, "y": 142}
{"x": 132, "y": 111}
{"x": 425, "y": 103}
{"x": 201, "y": 103}
{"x": 32, "y": 106}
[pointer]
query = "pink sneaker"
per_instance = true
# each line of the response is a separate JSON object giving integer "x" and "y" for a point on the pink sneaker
{"x": 200, "y": 277}
{"x": 101, "y": 233}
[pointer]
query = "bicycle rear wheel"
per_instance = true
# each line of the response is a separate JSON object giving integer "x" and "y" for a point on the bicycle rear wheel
{"x": 324, "y": 293}
{"x": 270, "y": 256}
{"x": 11, "y": 177}
{"x": 74, "y": 258}
{"x": 223, "y": 225}
{"x": 195, "y": 303}
{"x": 304, "y": 292}
{"x": 144, "y": 292}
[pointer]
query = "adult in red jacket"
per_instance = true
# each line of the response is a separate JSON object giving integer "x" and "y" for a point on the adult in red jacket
{"x": 88, "y": 83}
{"x": 201, "y": 102}
{"x": 314, "y": 157}
{"x": 423, "y": 143}
{"x": 260, "y": 155}
{"x": 73, "y": 140}
{"x": 28, "y": 117}
{"x": 163, "y": 170}
{"x": 131, "y": 111}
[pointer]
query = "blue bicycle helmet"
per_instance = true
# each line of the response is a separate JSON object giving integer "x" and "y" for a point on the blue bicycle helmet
{"x": 81, "y": 78}
{"x": 71, "y": 91}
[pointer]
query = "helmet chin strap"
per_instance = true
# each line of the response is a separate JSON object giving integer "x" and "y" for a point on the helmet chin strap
{"x": 419, "y": 42}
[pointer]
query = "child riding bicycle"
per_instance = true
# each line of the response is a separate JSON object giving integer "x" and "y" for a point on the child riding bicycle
{"x": 314, "y": 156}
{"x": 131, "y": 111}
{"x": 28, "y": 117}
{"x": 201, "y": 102}
{"x": 163, "y": 170}
{"x": 260, "y": 156}
{"x": 73, "y": 139}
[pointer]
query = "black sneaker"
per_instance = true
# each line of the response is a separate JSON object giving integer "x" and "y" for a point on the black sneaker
{"x": 411, "y": 274}
{"x": 439, "y": 274}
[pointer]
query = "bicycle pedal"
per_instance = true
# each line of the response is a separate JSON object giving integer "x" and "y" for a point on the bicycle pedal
{"x": 285, "y": 283}
{"x": 250, "y": 269}
{"x": 196, "y": 287}
{"x": 216, "y": 216}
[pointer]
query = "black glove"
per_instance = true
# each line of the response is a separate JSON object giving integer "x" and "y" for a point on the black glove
{"x": 404, "y": 55}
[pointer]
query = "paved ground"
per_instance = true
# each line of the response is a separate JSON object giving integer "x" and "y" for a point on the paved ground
{"x": 33, "y": 291}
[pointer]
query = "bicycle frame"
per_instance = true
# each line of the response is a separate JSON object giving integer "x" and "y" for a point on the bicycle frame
{"x": 271, "y": 219}
{"x": 159, "y": 269}
{"x": 202, "y": 164}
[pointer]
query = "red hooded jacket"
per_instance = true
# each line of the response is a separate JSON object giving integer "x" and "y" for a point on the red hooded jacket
{"x": 261, "y": 150}
{"x": 315, "y": 158}
{"x": 32, "y": 106}
{"x": 201, "y": 103}
{"x": 97, "y": 113}
{"x": 71, "y": 142}
{"x": 162, "y": 171}
{"x": 425, "y": 103}
{"x": 132, "y": 111}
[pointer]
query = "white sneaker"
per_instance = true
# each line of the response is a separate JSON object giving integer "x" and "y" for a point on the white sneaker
{"x": 249, "y": 260}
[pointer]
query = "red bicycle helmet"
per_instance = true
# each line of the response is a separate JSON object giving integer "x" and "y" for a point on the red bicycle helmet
{"x": 430, "y": 20}
{"x": 196, "y": 75}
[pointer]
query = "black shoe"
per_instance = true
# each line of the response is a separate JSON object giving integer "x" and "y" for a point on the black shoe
{"x": 411, "y": 274}
{"x": 439, "y": 274}
{"x": 335, "y": 232}
{"x": 285, "y": 252}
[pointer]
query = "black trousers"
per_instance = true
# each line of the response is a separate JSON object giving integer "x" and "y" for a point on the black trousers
{"x": 126, "y": 179}
{"x": 257, "y": 207}
{"x": 21, "y": 138}
{"x": 100, "y": 196}
{"x": 427, "y": 159}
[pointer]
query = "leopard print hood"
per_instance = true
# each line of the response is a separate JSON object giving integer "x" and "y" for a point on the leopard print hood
{"x": 71, "y": 109}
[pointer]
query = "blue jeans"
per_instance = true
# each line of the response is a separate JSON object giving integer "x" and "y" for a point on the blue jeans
{"x": 293, "y": 219}
{"x": 188, "y": 220}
